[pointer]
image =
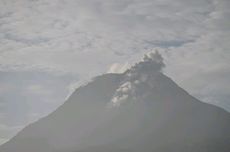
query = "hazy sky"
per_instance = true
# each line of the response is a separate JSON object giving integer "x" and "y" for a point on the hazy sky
{"x": 48, "y": 47}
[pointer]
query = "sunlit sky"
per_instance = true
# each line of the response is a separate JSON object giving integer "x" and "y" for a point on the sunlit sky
{"x": 49, "y": 47}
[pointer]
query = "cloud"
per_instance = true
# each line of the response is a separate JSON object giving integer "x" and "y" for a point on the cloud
{"x": 38, "y": 89}
{"x": 118, "y": 68}
{"x": 65, "y": 35}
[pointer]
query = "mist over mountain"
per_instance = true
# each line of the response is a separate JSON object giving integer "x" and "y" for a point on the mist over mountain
{"x": 138, "y": 110}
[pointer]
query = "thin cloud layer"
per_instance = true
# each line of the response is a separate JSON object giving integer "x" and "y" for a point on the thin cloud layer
{"x": 61, "y": 35}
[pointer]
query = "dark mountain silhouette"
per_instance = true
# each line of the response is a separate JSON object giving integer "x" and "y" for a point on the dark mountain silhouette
{"x": 139, "y": 110}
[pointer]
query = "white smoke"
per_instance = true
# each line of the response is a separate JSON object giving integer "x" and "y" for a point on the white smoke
{"x": 122, "y": 93}
{"x": 151, "y": 62}
{"x": 142, "y": 72}
{"x": 154, "y": 57}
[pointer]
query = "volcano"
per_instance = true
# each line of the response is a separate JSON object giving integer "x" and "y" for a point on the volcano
{"x": 138, "y": 110}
